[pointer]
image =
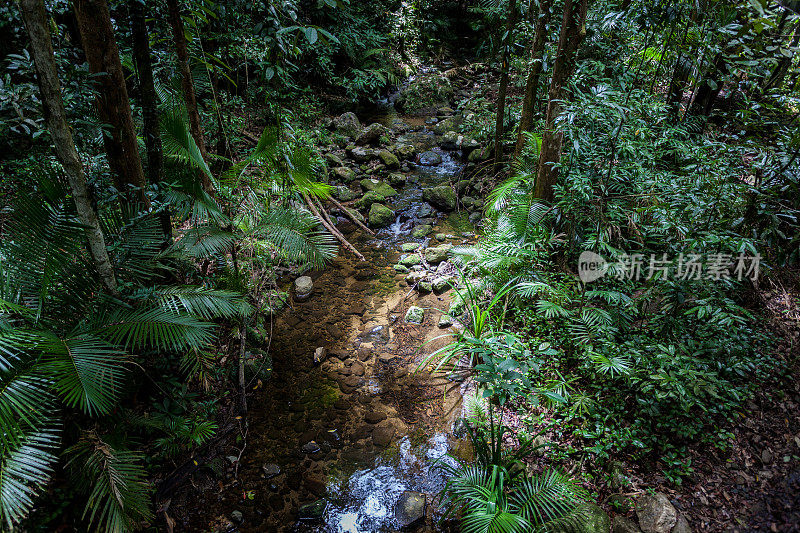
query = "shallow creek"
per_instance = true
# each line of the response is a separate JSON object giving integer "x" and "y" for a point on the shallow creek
{"x": 351, "y": 435}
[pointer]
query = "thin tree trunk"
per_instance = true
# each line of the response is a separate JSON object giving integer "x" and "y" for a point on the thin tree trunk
{"x": 149, "y": 102}
{"x": 113, "y": 106}
{"x": 501, "y": 95}
{"x": 532, "y": 84}
{"x": 782, "y": 68}
{"x": 182, "y": 51}
{"x": 573, "y": 30}
{"x": 709, "y": 89}
{"x": 147, "y": 91}
{"x": 34, "y": 15}
{"x": 680, "y": 76}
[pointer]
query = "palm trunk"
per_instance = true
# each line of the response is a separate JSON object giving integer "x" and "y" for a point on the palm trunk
{"x": 501, "y": 95}
{"x": 113, "y": 106}
{"x": 573, "y": 30}
{"x": 532, "y": 84}
{"x": 33, "y": 13}
{"x": 182, "y": 51}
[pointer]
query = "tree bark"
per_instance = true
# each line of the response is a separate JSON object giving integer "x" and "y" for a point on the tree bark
{"x": 113, "y": 106}
{"x": 709, "y": 89}
{"x": 573, "y": 30}
{"x": 147, "y": 91}
{"x": 680, "y": 76}
{"x": 532, "y": 83}
{"x": 501, "y": 95}
{"x": 782, "y": 68}
{"x": 187, "y": 84}
{"x": 34, "y": 15}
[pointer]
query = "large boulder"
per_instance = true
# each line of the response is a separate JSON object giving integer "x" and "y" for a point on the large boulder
{"x": 405, "y": 151}
{"x": 389, "y": 159}
{"x": 371, "y": 134}
{"x": 371, "y": 197}
{"x": 425, "y": 92}
{"x": 656, "y": 514}
{"x": 437, "y": 254}
{"x": 430, "y": 158}
{"x": 447, "y": 124}
{"x": 380, "y": 216}
{"x": 344, "y": 174}
{"x": 589, "y": 519}
{"x": 347, "y": 124}
{"x": 441, "y": 196}
{"x": 414, "y": 315}
{"x": 313, "y": 512}
{"x": 333, "y": 160}
{"x": 344, "y": 194}
{"x": 361, "y": 154}
{"x": 449, "y": 141}
{"x": 410, "y": 508}
{"x": 377, "y": 186}
{"x": 624, "y": 525}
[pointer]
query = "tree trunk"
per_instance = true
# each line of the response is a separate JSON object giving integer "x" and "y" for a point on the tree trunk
{"x": 532, "y": 84}
{"x": 501, "y": 95}
{"x": 782, "y": 68}
{"x": 147, "y": 91}
{"x": 113, "y": 107}
{"x": 680, "y": 76}
{"x": 33, "y": 13}
{"x": 573, "y": 30}
{"x": 182, "y": 51}
{"x": 709, "y": 89}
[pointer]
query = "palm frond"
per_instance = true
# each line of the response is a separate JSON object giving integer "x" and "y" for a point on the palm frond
{"x": 153, "y": 328}
{"x": 179, "y": 144}
{"x": 297, "y": 236}
{"x": 200, "y": 301}
{"x": 546, "y": 497}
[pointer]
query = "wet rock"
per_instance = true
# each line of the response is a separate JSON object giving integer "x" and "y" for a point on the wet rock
{"x": 347, "y": 124}
{"x": 389, "y": 159}
{"x": 378, "y": 186}
{"x": 430, "y": 158}
{"x": 469, "y": 145}
{"x": 373, "y": 417}
{"x": 445, "y": 111}
{"x": 333, "y": 160}
{"x": 402, "y": 269}
{"x": 237, "y": 517}
{"x": 344, "y": 174}
{"x": 425, "y": 286}
{"x": 371, "y": 134}
{"x": 302, "y": 288}
{"x": 361, "y": 154}
{"x": 314, "y": 484}
{"x": 409, "y": 246}
{"x": 310, "y": 447}
{"x": 333, "y": 437}
{"x": 441, "y": 237}
{"x": 423, "y": 230}
{"x": 344, "y": 194}
{"x": 355, "y": 214}
{"x": 357, "y": 369}
{"x": 411, "y": 260}
{"x": 437, "y": 254}
{"x": 445, "y": 321}
{"x": 475, "y": 217}
{"x": 410, "y": 508}
{"x": 405, "y": 151}
{"x": 426, "y": 91}
{"x": 442, "y": 197}
{"x": 313, "y": 511}
{"x": 380, "y": 216}
{"x": 370, "y": 198}
{"x": 397, "y": 179}
{"x": 341, "y": 404}
{"x": 590, "y": 519}
{"x": 656, "y": 514}
{"x": 271, "y": 470}
{"x": 414, "y": 315}
{"x": 621, "y": 524}
{"x": 387, "y": 357}
{"x": 447, "y": 124}
{"x": 449, "y": 140}
{"x": 425, "y": 210}
{"x": 382, "y": 435}
{"x": 319, "y": 354}
{"x": 457, "y": 307}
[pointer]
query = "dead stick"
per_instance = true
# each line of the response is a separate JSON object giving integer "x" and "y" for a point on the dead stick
{"x": 333, "y": 230}
{"x": 350, "y": 215}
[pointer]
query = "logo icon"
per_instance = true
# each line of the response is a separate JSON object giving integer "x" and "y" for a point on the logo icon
{"x": 591, "y": 266}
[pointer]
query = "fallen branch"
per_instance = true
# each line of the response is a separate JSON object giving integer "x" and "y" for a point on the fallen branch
{"x": 329, "y": 226}
{"x": 351, "y": 216}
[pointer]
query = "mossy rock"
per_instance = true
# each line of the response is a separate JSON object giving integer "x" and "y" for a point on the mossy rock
{"x": 411, "y": 260}
{"x": 389, "y": 159}
{"x": 380, "y": 216}
{"x": 442, "y": 196}
{"x": 371, "y": 197}
{"x": 377, "y": 186}
{"x": 423, "y": 230}
{"x": 427, "y": 91}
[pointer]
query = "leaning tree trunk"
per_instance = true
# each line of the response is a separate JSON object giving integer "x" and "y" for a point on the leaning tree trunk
{"x": 573, "y": 30}
{"x": 33, "y": 13}
{"x": 680, "y": 77}
{"x": 709, "y": 89}
{"x": 187, "y": 84}
{"x": 501, "y": 95}
{"x": 532, "y": 84}
{"x": 113, "y": 107}
{"x": 782, "y": 68}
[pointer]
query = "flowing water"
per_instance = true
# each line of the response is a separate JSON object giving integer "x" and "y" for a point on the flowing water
{"x": 348, "y": 437}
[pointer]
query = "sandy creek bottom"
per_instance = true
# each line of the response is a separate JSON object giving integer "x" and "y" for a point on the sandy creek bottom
{"x": 363, "y": 426}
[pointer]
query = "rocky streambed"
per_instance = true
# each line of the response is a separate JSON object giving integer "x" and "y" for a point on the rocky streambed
{"x": 348, "y": 435}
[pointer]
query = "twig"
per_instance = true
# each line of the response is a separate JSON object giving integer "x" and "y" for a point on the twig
{"x": 332, "y": 229}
